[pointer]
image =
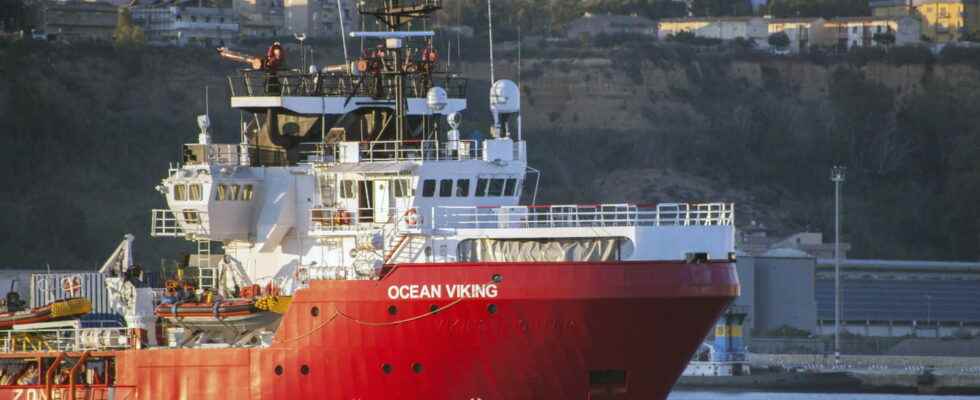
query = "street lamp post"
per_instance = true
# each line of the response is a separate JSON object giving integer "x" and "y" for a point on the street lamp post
{"x": 837, "y": 175}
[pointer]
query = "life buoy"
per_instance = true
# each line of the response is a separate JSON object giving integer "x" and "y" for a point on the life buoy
{"x": 72, "y": 286}
{"x": 412, "y": 217}
{"x": 171, "y": 287}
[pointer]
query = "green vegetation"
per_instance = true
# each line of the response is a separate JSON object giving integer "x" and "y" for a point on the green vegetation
{"x": 816, "y": 8}
{"x": 127, "y": 34}
{"x": 90, "y": 132}
{"x": 721, "y": 8}
{"x": 779, "y": 40}
{"x": 884, "y": 38}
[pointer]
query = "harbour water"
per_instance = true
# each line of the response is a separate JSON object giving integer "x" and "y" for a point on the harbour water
{"x": 732, "y": 395}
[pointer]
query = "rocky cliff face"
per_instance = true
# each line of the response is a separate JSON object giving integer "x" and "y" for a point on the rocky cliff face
{"x": 89, "y": 133}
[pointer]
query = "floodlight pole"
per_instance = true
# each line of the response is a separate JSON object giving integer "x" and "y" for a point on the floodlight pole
{"x": 837, "y": 175}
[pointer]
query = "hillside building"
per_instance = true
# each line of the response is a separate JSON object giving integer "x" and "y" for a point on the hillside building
{"x": 76, "y": 20}
{"x": 591, "y": 25}
{"x": 724, "y": 28}
{"x": 860, "y": 31}
{"x": 181, "y": 26}
{"x": 260, "y": 18}
{"x": 319, "y": 18}
{"x": 844, "y": 32}
{"x": 941, "y": 20}
{"x": 802, "y": 32}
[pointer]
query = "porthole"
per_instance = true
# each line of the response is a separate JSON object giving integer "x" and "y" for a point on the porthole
{"x": 497, "y": 278}
{"x": 492, "y": 309}
{"x": 315, "y": 311}
{"x": 433, "y": 308}
{"x": 392, "y": 310}
{"x": 417, "y": 368}
{"x": 279, "y": 370}
{"x": 305, "y": 369}
{"x": 386, "y": 368}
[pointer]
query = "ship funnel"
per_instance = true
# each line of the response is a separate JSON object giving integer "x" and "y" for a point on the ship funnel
{"x": 505, "y": 99}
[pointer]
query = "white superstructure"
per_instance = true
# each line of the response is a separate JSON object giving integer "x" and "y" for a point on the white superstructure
{"x": 334, "y": 179}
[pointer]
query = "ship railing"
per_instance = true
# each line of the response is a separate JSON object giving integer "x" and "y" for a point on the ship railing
{"x": 66, "y": 339}
{"x": 258, "y": 83}
{"x": 167, "y": 223}
{"x": 227, "y": 154}
{"x": 572, "y": 216}
{"x": 406, "y": 150}
{"x": 338, "y": 219}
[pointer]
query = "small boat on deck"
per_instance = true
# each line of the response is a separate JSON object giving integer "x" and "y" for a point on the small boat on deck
{"x": 231, "y": 318}
{"x": 54, "y": 311}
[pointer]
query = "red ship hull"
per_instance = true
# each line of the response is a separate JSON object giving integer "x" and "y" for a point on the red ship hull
{"x": 544, "y": 331}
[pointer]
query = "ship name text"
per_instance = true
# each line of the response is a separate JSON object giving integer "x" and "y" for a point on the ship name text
{"x": 456, "y": 291}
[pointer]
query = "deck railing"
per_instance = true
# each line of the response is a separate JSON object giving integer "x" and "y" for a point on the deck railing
{"x": 392, "y": 150}
{"x": 252, "y": 83}
{"x": 167, "y": 223}
{"x": 65, "y": 339}
{"x": 572, "y": 216}
{"x": 225, "y": 154}
{"x": 342, "y": 219}
{"x": 325, "y": 220}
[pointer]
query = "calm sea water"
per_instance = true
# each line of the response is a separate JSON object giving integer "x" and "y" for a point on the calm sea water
{"x": 706, "y": 395}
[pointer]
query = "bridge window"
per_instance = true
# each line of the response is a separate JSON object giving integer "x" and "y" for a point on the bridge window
{"x": 481, "y": 187}
{"x": 401, "y": 188}
{"x": 496, "y": 187}
{"x": 221, "y": 193}
{"x": 235, "y": 193}
{"x": 428, "y": 188}
{"x": 180, "y": 192}
{"x": 347, "y": 189}
{"x": 446, "y": 188}
{"x": 510, "y": 187}
{"x": 192, "y": 217}
{"x": 195, "y": 192}
{"x": 247, "y": 192}
{"x": 462, "y": 187}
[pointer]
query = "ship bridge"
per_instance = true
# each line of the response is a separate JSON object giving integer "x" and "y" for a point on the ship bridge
{"x": 319, "y": 92}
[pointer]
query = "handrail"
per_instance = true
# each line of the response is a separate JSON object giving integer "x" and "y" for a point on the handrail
{"x": 74, "y": 371}
{"x": 169, "y": 223}
{"x": 403, "y": 150}
{"x": 258, "y": 83}
{"x": 598, "y": 215}
{"x": 49, "y": 374}
{"x": 66, "y": 339}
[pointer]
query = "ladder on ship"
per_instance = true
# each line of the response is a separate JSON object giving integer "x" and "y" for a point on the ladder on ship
{"x": 206, "y": 273}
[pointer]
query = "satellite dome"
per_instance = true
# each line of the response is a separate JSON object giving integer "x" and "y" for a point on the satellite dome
{"x": 505, "y": 97}
{"x": 436, "y": 99}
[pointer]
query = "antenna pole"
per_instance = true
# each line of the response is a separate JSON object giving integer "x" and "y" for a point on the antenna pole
{"x": 490, "y": 19}
{"x": 206, "y": 105}
{"x": 343, "y": 34}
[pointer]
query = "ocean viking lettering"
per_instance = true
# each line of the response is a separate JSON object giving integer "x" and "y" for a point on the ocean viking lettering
{"x": 466, "y": 291}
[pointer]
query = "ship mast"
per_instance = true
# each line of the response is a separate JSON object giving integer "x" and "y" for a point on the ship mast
{"x": 397, "y": 16}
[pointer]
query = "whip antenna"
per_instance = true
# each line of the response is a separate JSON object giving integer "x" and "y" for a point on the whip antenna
{"x": 343, "y": 34}
{"x": 490, "y": 19}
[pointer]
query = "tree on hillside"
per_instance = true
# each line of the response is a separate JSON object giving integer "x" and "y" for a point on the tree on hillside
{"x": 884, "y": 39}
{"x": 779, "y": 40}
{"x": 127, "y": 33}
{"x": 721, "y": 8}
{"x": 816, "y": 8}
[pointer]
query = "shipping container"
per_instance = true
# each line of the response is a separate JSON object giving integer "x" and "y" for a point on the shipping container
{"x": 48, "y": 287}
